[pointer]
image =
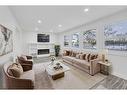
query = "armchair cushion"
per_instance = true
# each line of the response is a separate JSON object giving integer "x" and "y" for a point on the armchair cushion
{"x": 26, "y": 67}
{"x": 28, "y": 75}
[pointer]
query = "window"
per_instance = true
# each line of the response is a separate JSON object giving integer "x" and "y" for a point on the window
{"x": 89, "y": 39}
{"x": 66, "y": 40}
{"x": 75, "y": 40}
{"x": 116, "y": 36}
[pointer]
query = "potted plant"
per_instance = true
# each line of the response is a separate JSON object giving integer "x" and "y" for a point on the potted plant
{"x": 57, "y": 50}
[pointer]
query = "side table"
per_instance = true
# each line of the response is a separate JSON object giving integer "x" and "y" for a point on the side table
{"x": 104, "y": 67}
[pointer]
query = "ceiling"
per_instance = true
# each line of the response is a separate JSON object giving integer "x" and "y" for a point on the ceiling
{"x": 58, "y": 18}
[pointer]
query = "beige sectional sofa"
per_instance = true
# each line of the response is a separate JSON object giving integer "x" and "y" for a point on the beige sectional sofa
{"x": 87, "y": 62}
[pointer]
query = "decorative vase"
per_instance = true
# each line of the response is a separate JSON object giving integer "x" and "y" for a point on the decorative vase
{"x": 52, "y": 59}
{"x": 103, "y": 57}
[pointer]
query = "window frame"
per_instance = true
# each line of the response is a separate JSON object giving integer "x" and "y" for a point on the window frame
{"x": 77, "y": 40}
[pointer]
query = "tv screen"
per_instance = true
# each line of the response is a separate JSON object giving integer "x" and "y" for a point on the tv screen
{"x": 43, "y": 38}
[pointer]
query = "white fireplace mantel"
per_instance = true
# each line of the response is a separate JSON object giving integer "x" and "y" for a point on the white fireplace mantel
{"x": 33, "y": 49}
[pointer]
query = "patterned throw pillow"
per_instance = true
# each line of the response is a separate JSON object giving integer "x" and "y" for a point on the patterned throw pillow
{"x": 92, "y": 56}
{"x": 16, "y": 70}
{"x": 87, "y": 57}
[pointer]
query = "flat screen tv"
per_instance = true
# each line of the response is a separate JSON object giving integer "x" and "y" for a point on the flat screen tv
{"x": 43, "y": 38}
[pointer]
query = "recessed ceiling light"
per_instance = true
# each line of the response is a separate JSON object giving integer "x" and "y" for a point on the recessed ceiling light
{"x": 59, "y": 25}
{"x": 36, "y": 29}
{"x": 39, "y": 21}
{"x": 86, "y": 10}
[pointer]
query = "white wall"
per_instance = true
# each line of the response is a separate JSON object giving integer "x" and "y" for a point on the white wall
{"x": 7, "y": 19}
{"x": 118, "y": 59}
{"x": 31, "y": 37}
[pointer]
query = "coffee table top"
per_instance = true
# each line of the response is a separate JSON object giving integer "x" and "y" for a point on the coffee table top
{"x": 51, "y": 71}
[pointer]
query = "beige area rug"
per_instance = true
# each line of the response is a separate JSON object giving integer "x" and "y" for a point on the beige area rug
{"x": 73, "y": 79}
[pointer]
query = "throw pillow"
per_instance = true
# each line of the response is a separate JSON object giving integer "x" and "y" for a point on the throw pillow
{"x": 87, "y": 57}
{"x": 16, "y": 70}
{"x": 67, "y": 52}
{"x": 73, "y": 54}
{"x": 9, "y": 71}
{"x": 77, "y": 56}
{"x": 96, "y": 56}
{"x": 92, "y": 57}
{"x": 82, "y": 56}
{"x": 70, "y": 53}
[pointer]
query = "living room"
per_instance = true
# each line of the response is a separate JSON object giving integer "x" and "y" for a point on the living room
{"x": 77, "y": 42}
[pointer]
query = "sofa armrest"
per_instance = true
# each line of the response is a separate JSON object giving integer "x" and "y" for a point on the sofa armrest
{"x": 28, "y": 62}
{"x": 29, "y": 57}
{"x": 17, "y": 83}
{"x": 94, "y": 66}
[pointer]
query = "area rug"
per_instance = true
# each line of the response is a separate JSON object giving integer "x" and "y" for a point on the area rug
{"x": 73, "y": 79}
{"x": 111, "y": 82}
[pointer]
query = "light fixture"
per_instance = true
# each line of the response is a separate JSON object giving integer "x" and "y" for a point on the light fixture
{"x": 36, "y": 29}
{"x": 39, "y": 21}
{"x": 86, "y": 10}
{"x": 59, "y": 25}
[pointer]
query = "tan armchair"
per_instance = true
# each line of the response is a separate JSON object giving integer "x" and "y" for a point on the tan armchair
{"x": 25, "y": 81}
{"x": 26, "y": 63}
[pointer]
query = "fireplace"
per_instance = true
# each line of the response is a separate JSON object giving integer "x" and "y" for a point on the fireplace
{"x": 43, "y": 51}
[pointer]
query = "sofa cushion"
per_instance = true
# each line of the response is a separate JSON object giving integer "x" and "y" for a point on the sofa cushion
{"x": 16, "y": 70}
{"x": 68, "y": 58}
{"x": 82, "y": 63}
{"x": 28, "y": 75}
